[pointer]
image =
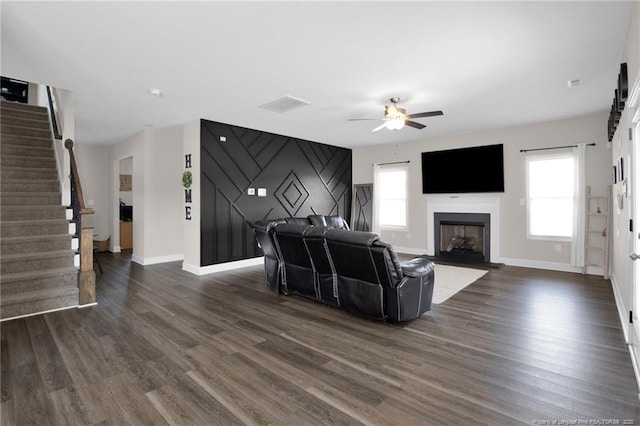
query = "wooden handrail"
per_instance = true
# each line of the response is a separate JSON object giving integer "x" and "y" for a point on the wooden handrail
{"x": 83, "y": 217}
{"x": 74, "y": 173}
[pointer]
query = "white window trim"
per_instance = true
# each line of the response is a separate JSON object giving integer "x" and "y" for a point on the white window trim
{"x": 391, "y": 167}
{"x": 527, "y": 160}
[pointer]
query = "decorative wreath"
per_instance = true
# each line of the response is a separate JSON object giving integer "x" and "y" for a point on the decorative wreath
{"x": 187, "y": 179}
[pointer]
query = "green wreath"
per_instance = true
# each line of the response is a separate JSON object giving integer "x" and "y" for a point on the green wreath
{"x": 187, "y": 179}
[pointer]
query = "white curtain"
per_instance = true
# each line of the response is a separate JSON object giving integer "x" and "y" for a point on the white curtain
{"x": 580, "y": 207}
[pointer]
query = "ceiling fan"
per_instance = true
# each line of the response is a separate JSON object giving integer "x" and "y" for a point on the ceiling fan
{"x": 395, "y": 117}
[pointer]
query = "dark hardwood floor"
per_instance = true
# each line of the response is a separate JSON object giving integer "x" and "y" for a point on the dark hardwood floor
{"x": 518, "y": 346}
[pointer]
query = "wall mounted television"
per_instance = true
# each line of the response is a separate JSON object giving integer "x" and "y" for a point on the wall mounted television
{"x": 464, "y": 170}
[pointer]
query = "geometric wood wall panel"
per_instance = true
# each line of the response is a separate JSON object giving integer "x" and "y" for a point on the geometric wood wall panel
{"x": 300, "y": 177}
{"x": 362, "y": 207}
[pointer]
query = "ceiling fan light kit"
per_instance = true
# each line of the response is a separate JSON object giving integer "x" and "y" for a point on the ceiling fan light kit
{"x": 395, "y": 118}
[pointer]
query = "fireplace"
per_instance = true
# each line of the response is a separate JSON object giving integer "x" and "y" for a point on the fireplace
{"x": 463, "y": 236}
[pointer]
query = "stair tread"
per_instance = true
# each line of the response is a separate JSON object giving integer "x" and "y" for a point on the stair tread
{"x": 41, "y": 206}
{"x": 26, "y": 194}
{"x": 28, "y": 296}
{"x": 37, "y": 255}
{"x": 22, "y": 106}
{"x": 12, "y": 180}
{"x": 42, "y": 273}
{"x": 34, "y": 238}
{"x": 40, "y": 138}
{"x": 31, "y": 221}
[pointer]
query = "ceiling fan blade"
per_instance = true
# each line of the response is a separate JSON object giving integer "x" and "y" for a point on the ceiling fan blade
{"x": 363, "y": 119}
{"x": 414, "y": 124}
{"x": 380, "y": 127}
{"x": 425, "y": 114}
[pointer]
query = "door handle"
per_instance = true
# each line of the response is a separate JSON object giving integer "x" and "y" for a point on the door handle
{"x": 634, "y": 256}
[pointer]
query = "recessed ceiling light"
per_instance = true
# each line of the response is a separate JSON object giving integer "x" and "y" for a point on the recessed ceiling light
{"x": 156, "y": 92}
{"x": 574, "y": 83}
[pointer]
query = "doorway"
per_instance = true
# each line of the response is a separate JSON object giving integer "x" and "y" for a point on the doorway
{"x": 125, "y": 200}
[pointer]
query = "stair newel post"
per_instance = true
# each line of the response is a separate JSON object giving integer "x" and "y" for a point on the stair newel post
{"x": 83, "y": 218}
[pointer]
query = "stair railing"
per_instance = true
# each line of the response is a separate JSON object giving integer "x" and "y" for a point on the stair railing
{"x": 55, "y": 114}
{"x": 83, "y": 218}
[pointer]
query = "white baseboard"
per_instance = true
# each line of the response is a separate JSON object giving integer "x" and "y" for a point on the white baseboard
{"x": 538, "y": 264}
{"x": 158, "y": 259}
{"x": 623, "y": 312}
{"x": 211, "y": 269}
{"x": 116, "y": 249}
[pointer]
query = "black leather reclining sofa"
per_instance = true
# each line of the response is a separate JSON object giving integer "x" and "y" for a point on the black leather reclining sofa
{"x": 319, "y": 258}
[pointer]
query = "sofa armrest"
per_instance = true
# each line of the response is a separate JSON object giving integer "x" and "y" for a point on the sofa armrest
{"x": 417, "y": 267}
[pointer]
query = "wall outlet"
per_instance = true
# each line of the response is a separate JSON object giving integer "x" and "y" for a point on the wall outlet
{"x": 251, "y": 191}
{"x": 558, "y": 248}
{"x": 223, "y": 138}
{"x": 262, "y": 192}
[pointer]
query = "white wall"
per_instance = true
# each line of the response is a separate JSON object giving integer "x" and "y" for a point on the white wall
{"x": 156, "y": 196}
{"x": 163, "y": 226}
{"x": 515, "y": 248}
{"x": 191, "y": 145}
{"x": 621, "y": 265}
{"x": 93, "y": 167}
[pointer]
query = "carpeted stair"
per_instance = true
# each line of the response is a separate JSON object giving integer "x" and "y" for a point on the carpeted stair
{"x": 37, "y": 270}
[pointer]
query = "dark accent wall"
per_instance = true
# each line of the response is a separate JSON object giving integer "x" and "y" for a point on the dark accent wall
{"x": 301, "y": 178}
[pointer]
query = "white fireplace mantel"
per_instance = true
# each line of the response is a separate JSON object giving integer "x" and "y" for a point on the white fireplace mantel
{"x": 465, "y": 204}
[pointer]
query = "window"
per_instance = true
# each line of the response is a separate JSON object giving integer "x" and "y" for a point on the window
{"x": 391, "y": 194}
{"x": 551, "y": 196}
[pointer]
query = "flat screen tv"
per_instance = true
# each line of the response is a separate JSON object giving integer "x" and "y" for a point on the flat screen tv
{"x": 463, "y": 170}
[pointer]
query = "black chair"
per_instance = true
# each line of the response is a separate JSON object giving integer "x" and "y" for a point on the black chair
{"x": 324, "y": 275}
{"x": 263, "y": 231}
{"x": 371, "y": 280}
{"x": 297, "y": 274}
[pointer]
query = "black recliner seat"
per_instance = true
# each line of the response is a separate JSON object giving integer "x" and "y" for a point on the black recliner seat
{"x": 263, "y": 231}
{"x": 349, "y": 269}
{"x": 332, "y": 221}
{"x": 326, "y": 282}
{"x": 297, "y": 272}
{"x": 371, "y": 280}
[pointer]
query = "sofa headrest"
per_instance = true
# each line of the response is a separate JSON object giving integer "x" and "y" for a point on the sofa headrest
{"x": 266, "y": 224}
{"x": 297, "y": 220}
{"x": 317, "y": 220}
{"x": 315, "y": 231}
{"x": 352, "y": 237}
{"x": 291, "y": 228}
{"x": 336, "y": 222}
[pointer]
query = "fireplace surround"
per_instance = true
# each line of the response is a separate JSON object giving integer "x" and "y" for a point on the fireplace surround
{"x": 463, "y": 236}
{"x": 486, "y": 204}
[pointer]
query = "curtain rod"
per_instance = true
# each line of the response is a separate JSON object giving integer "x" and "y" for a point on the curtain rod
{"x": 554, "y": 147}
{"x": 394, "y": 162}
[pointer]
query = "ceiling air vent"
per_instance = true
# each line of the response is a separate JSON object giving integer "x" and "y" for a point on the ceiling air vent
{"x": 574, "y": 83}
{"x": 284, "y": 104}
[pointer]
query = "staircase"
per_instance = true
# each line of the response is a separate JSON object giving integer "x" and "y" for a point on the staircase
{"x": 37, "y": 270}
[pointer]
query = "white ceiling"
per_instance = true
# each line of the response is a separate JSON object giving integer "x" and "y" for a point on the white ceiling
{"x": 485, "y": 64}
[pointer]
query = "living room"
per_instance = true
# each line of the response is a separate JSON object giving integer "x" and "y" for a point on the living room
{"x": 162, "y": 234}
